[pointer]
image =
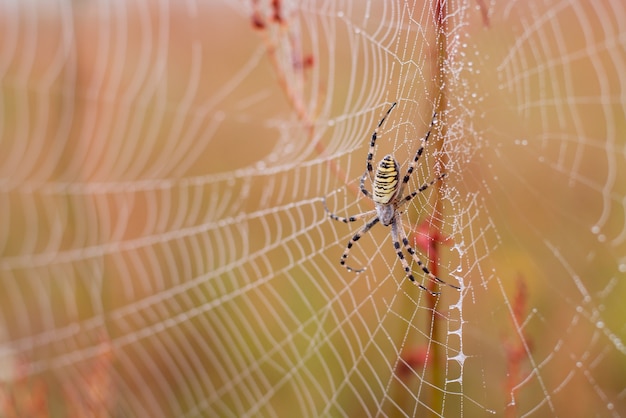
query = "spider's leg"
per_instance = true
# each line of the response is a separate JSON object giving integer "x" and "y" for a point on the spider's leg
{"x": 353, "y": 240}
{"x": 405, "y": 264}
{"x": 370, "y": 154}
{"x": 410, "y": 250}
{"x": 418, "y": 154}
{"x": 424, "y": 186}
{"x": 363, "y": 189}
{"x": 348, "y": 219}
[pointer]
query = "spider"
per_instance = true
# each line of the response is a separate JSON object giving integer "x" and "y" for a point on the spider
{"x": 387, "y": 195}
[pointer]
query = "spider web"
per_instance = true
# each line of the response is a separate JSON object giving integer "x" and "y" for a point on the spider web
{"x": 164, "y": 246}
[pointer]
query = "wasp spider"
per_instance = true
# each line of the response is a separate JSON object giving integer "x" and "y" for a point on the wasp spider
{"x": 387, "y": 191}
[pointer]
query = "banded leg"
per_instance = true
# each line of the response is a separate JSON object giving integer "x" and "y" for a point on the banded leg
{"x": 348, "y": 219}
{"x": 423, "y": 187}
{"x": 353, "y": 240}
{"x": 370, "y": 154}
{"x": 405, "y": 264}
{"x": 418, "y": 154}
{"x": 410, "y": 250}
{"x": 363, "y": 189}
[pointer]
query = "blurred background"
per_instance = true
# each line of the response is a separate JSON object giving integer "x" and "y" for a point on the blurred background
{"x": 164, "y": 248}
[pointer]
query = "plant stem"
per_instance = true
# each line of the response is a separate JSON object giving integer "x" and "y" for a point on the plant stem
{"x": 437, "y": 361}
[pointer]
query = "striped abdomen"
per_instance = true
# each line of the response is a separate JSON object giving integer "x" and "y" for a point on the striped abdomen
{"x": 386, "y": 180}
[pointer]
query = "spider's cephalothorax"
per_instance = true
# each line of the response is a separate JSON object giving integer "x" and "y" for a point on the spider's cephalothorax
{"x": 387, "y": 196}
